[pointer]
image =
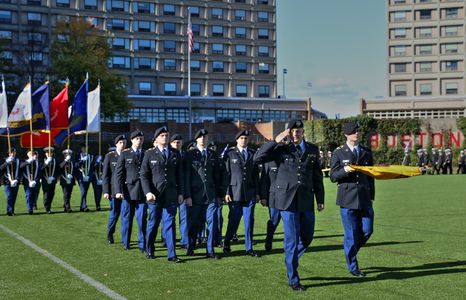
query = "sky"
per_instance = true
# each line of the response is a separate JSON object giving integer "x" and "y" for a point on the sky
{"x": 337, "y": 45}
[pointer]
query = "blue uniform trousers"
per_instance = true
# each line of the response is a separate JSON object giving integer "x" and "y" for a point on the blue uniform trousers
{"x": 183, "y": 216}
{"x": 83, "y": 188}
{"x": 299, "y": 232}
{"x": 197, "y": 215}
{"x": 11, "y": 193}
{"x": 358, "y": 226}
{"x": 218, "y": 235}
{"x": 97, "y": 192}
{"x": 272, "y": 223}
{"x": 238, "y": 210}
{"x": 31, "y": 196}
{"x": 128, "y": 210}
{"x": 167, "y": 216}
{"x": 115, "y": 210}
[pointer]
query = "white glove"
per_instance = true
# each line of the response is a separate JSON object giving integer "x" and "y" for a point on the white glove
{"x": 50, "y": 179}
{"x": 48, "y": 160}
{"x": 32, "y": 184}
{"x": 69, "y": 176}
{"x": 68, "y": 158}
{"x": 99, "y": 158}
{"x": 84, "y": 158}
{"x": 29, "y": 160}
{"x": 14, "y": 183}
{"x": 85, "y": 178}
{"x": 10, "y": 159}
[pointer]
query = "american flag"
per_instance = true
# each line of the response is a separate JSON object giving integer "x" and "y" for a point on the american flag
{"x": 190, "y": 37}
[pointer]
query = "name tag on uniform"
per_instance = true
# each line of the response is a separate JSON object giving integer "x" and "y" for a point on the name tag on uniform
{"x": 114, "y": 164}
{"x": 345, "y": 161}
{"x": 274, "y": 169}
{"x": 234, "y": 160}
{"x": 153, "y": 162}
{"x": 129, "y": 160}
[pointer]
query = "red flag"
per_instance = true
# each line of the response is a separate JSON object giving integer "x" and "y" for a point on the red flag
{"x": 59, "y": 110}
{"x": 40, "y": 139}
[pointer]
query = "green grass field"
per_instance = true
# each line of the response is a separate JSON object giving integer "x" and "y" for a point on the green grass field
{"x": 417, "y": 251}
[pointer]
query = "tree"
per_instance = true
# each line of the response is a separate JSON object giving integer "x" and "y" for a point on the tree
{"x": 79, "y": 48}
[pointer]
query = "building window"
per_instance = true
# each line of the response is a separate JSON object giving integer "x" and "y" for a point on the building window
{"x": 400, "y": 68}
{"x": 169, "y": 65}
{"x": 168, "y": 10}
{"x": 241, "y": 90}
{"x": 5, "y": 16}
{"x": 218, "y": 90}
{"x": 145, "y": 88}
{"x": 36, "y": 57}
{"x": 169, "y": 46}
{"x": 196, "y": 28}
{"x": 117, "y": 5}
{"x": 399, "y": 16}
{"x": 35, "y": 38}
{"x": 240, "y": 50}
{"x": 451, "y": 30}
{"x": 34, "y": 18}
{"x": 262, "y": 33}
{"x": 144, "y": 7}
{"x": 241, "y": 67}
{"x": 120, "y": 62}
{"x": 425, "y": 32}
{"x": 240, "y": 32}
{"x": 63, "y": 3}
{"x": 399, "y": 1}
{"x": 144, "y": 26}
{"x": 425, "y": 14}
{"x": 399, "y": 51}
{"x": 217, "y": 66}
{"x": 263, "y": 51}
{"x": 118, "y": 24}
{"x": 451, "y": 13}
{"x": 425, "y": 67}
{"x": 262, "y": 16}
{"x": 217, "y": 31}
{"x": 451, "y": 88}
{"x": 195, "y": 11}
{"x": 5, "y": 35}
{"x": 169, "y": 88}
{"x": 264, "y": 2}
{"x": 399, "y": 33}
{"x": 425, "y": 49}
{"x": 196, "y": 47}
{"x": 216, "y": 13}
{"x": 195, "y": 89}
{"x": 264, "y": 68}
{"x": 34, "y": 2}
{"x": 144, "y": 63}
{"x": 264, "y": 91}
{"x": 400, "y": 90}
{"x": 90, "y": 4}
{"x": 240, "y": 15}
{"x": 169, "y": 28}
{"x": 451, "y": 48}
{"x": 119, "y": 44}
{"x": 141, "y": 44}
{"x": 451, "y": 65}
{"x": 425, "y": 89}
{"x": 195, "y": 65}
{"x": 217, "y": 49}
{"x": 6, "y": 55}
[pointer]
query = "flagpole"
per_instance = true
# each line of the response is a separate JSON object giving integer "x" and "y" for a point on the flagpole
{"x": 100, "y": 134}
{"x": 68, "y": 131}
{"x": 87, "y": 123}
{"x": 189, "y": 73}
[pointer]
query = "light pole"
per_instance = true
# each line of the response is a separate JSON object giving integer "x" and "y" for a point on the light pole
{"x": 285, "y": 71}
{"x": 309, "y": 86}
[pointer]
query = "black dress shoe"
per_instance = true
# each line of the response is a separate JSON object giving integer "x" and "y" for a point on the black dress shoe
{"x": 70, "y": 210}
{"x": 142, "y": 250}
{"x": 98, "y": 208}
{"x": 297, "y": 287}
{"x": 235, "y": 238}
{"x": 49, "y": 212}
{"x": 30, "y": 212}
{"x": 268, "y": 245}
{"x": 175, "y": 260}
{"x": 190, "y": 253}
{"x": 110, "y": 240}
{"x": 150, "y": 256}
{"x": 358, "y": 273}
{"x": 86, "y": 209}
{"x": 226, "y": 249}
{"x": 252, "y": 253}
{"x": 9, "y": 213}
{"x": 212, "y": 256}
{"x": 183, "y": 246}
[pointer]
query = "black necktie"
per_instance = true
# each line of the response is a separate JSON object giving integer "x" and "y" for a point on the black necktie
{"x": 244, "y": 154}
{"x": 204, "y": 154}
{"x": 298, "y": 148}
{"x": 355, "y": 154}
{"x": 164, "y": 153}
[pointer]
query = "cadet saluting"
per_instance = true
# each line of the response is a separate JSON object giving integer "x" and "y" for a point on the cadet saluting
{"x": 128, "y": 188}
{"x": 356, "y": 192}
{"x": 299, "y": 179}
{"x": 242, "y": 192}
{"x": 109, "y": 185}
{"x": 162, "y": 183}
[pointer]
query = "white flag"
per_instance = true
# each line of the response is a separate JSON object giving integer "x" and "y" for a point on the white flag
{"x": 22, "y": 109}
{"x": 3, "y": 108}
{"x": 93, "y": 110}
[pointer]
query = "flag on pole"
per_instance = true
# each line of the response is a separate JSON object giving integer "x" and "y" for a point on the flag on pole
{"x": 3, "y": 107}
{"x": 190, "y": 35}
{"x": 93, "y": 110}
{"x": 388, "y": 172}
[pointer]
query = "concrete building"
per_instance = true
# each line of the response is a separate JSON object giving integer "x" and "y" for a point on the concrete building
{"x": 426, "y": 60}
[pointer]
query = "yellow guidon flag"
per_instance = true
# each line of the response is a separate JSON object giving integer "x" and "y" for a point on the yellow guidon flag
{"x": 388, "y": 172}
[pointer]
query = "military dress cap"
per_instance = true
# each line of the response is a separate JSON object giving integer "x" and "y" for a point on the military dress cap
{"x": 46, "y": 149}
{"x": 12, "y": 149}
{"x": 200, "y": 133}
{"x": 120, "y": 137}
{"x": 136, "y": 133}
{"x": 295, "y": 124}
{"x": 176, "y": 137}
{"x": 67, "y": 151}
{"x": 159, "y": 131}
{"x": 350, "y": 127}
{"x": 241, "y": 133}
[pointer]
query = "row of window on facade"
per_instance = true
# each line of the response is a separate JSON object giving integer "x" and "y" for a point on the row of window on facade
{"x": 216, "y": 90}
{"x": 426, "y": 14}
{"x": 158, "y": 115}
{"x": 427, "y": 49}
{"x": 423, "y": 114}
{"x": 419, "y": 1}
{"x": 427, "y": 67}
{"x": 124, "y": 62}
{"x": 427, "y": 32}
{"x": 425, "y": 89}
{"x": 146, "y": 7}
